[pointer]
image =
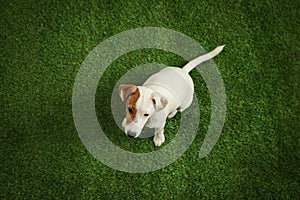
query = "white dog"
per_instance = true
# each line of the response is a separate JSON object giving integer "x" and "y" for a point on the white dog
{"x": 161, "y": 96}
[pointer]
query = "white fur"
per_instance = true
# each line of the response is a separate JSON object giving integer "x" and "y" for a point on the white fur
{"x": 166, "y": 104}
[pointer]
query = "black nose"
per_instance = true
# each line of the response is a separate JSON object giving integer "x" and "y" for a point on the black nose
{"x": 131, "y": 134}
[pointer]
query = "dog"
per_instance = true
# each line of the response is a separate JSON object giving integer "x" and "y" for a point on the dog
{"x": 160, "y": 97}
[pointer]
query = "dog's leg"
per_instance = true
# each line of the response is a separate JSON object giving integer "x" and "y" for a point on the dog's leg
{"x": 159, "y": 137}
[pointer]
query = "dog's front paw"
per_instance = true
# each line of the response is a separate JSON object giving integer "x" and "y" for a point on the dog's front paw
{"x": 124, "y": 123}
{"x": 172, "y": 114}
{"x": 158, "y": 139}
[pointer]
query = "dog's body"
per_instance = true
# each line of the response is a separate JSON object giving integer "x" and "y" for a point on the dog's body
{"x": 161, "y": 96}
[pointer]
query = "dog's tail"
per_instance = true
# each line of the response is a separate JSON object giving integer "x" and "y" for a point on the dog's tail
{"x": 195, "y": 62}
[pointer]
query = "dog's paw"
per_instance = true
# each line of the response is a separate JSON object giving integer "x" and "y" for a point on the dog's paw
{"x": 172, "y": 114}
{"x": 124, "y": 123}
{"x": 158, "y": 140}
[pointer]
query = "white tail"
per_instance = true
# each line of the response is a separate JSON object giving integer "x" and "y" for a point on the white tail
{"x": 194, "y": 63}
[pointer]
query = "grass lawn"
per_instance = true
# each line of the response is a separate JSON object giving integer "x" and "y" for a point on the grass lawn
{"x": 43, "y": 44}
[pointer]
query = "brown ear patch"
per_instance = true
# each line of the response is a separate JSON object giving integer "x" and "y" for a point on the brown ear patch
{"x": 126, "y": 90}
{"x": 131, "y": 106}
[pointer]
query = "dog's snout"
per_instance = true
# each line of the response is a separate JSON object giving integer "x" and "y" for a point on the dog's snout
{"x": 131, "y": 134}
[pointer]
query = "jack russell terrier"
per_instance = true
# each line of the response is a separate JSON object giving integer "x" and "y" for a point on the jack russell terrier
{"x": 161, "y": 96}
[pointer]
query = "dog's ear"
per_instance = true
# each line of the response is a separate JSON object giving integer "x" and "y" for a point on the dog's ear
{"x": 159, "y": 101}
{"x": 126, "y": 90}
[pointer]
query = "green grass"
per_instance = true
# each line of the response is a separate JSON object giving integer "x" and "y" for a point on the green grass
{"x": 43, "y": 44}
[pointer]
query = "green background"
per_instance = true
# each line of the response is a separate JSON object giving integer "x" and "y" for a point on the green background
{"x": 43, "y": 44}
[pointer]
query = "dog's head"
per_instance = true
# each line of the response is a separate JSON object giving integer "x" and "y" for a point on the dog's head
{"x": 141, "y": 104}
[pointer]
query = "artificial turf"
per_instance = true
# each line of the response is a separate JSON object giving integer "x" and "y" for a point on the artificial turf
{"x": 43, "y": 44}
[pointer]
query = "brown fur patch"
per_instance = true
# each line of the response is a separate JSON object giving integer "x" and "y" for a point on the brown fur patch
{"x": 131, "y": 103}
{"x": 126, "y": 90}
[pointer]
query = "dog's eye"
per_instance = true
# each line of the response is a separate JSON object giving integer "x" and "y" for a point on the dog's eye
{"x": 130, "y": 110}
{"x": 146, "y": 115}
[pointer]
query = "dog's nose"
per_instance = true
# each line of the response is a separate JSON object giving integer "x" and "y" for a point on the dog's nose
{"x": 131, "y": 134}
